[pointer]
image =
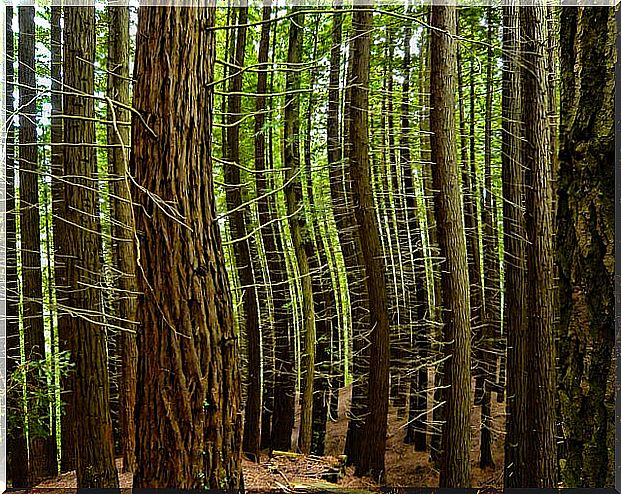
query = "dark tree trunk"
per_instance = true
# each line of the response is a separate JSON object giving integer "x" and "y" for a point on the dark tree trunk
{"x": 188, "y": 407}
{"x": 516, "y": 308}
{"x": 371, "y": 461}
{"x": 238, "y": 220}
{"x": 351, "y": 244}
{"x": 61, "y": 230}
{"x": 297, "y": 224}
{"x": 16, "y": 447}
{"x": 41, "y": 447}
{"x": 455, "y": 467}
{"x": 417, "y": 423}
{"x": 535, "y": 450}
{"x": 491, "y": 312}
{"x": 585, "y": 240}
{"x": 540, "y": 413}
{"x": 81, "y": 247}
{"x": 323, "y": 293}
{"x": 124, "y": 249}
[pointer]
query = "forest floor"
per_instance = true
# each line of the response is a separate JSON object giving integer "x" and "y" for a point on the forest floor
{"x": 405, "y": 467}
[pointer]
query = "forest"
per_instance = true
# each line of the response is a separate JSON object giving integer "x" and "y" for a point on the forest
{"x": 306, "y": 247}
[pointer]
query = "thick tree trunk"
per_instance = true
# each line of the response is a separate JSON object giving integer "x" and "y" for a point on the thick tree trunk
{"x": 81, "y": 246}
{"x": 123, "y": 228}
{"x": 585, "y": 239}
{"x": 455, "y": 470}
{"x": 351, "y": 244}
{"x": 188, "y": 410}
{"x": 534, "y": 453}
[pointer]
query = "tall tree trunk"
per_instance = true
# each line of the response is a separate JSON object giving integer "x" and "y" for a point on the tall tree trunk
{"x": 535, "y": 450}
{"x": 81, "y": 246}
{"x": 16, "y": 447}
{"x": 351, "y": 243}
{"x": 238, "y": 220}
{"x": 123, "y": 228}
{"x": 585, "y": 239}
{"x": 491, "y": 264}
{"x": 297, "y": 224}
{"x": 540, "y": 413}
{"x": 188, "y": 421}
{"x": 417, "y": 424}
{"x": 455, "y": 470}
{"x": 371, "y": 460}
{"x": 323, "y": 292}
{"x": 41, "y": 446}
{"x": 61, "y": 231}
{"x": 335, "y": 166}
{"x": 514, "y": 226}
{"x": 284, "y": 378}
{"x": 274, "y": 259}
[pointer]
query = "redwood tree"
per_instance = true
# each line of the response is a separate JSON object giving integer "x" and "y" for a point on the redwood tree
{"x": 371, "y": 459}
{"x": 80, "y": 245}
{"x": 455, "y": 465}
{"x": 188, "y": 410}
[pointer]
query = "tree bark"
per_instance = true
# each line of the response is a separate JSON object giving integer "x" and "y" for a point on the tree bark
{"x": 455, "y": 470}
{"x": 188, "y": 410}
{"x": 81, "y": 246}
{"x": 371, "y": 461}
{"x": 585, "y": 239}
{"x": 297, "y": 224}
{"x": 17, "y": 449}
{"x": 42, "y": 452}
{"x": 123, "y": 227}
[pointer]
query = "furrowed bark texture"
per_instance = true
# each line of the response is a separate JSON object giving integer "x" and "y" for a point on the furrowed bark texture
{"x": 188, "y": 410}
{"x": 80, "y": 243}
{"x": 455, "y": 470}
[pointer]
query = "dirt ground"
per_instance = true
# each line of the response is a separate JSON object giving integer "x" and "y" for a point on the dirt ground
{"x": 405, "y": 467}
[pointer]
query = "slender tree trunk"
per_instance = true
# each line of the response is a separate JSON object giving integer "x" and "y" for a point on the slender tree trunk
{"x": 284, "y": 379}
{"x": 188, "y": 421}
{"x": 41, "y": 446}
{"x": 16, "y": 447}
{"x": 417, "y": 424}
{"x": 323, "y": 293}
{"x": 371, "y": 460}
{"x": 61, "y": 231}
{"x": 297, "y": 224}
{"x": 491, "y": 314}
{"x": 238, "y": 220}
{"x": 514, "y": 226}
{"x": 335, "y": 166}
{"x": 274, "y": 259}
{"x": 123, "y": 227}
{"x": 455, "y": 471}
{"x": 81, "y": 246}
{"x": 540, "y": 413}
